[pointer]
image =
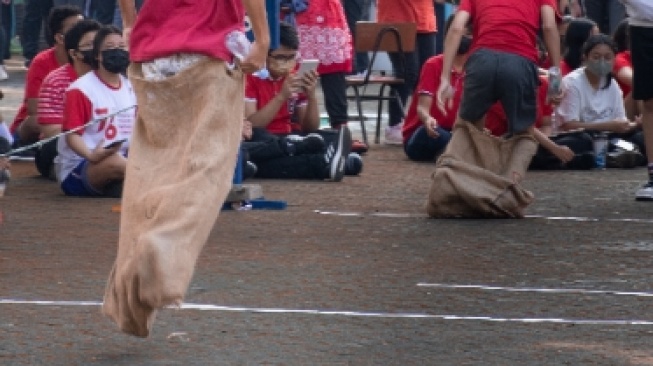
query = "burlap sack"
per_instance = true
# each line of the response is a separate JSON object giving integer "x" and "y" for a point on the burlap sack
{"x": 478, "y": 176}
{"x": 179, "y": 172}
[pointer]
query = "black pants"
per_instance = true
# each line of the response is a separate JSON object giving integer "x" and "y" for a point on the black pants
{"x": 579, "y": 143}
{"x": 269, "y": 153}
{"x": 7, "y": 25}
{"x": 334, "y": 88}
{"x": 357, "y": 10}
{"x": 424, "y": 49}
{"x": 36, "y": 13}
{"x": 44, "y": 158}
{"x": 103, "y": 10}
{"x": 606, "y": 13}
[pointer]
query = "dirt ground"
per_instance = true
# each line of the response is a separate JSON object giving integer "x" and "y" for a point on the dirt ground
{"x": 351, "y": 273}
{"x": 364, "y": 266}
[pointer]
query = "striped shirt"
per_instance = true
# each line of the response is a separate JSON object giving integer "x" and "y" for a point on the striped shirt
{"x": 51, "y": 95}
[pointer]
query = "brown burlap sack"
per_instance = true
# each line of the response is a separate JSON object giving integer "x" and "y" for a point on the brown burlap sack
{"x": 179, "y": 172}
{"x": 478, "y": 176}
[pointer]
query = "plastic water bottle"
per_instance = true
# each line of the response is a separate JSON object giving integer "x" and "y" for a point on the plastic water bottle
{"x": 555, "y": 82}
{"x": 238, "y": 44}
{"x": 600, "y": 143}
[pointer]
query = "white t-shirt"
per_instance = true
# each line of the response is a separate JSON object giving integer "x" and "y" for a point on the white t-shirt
{"x": 583, "y": 103}
{"x": 89, "y": 98}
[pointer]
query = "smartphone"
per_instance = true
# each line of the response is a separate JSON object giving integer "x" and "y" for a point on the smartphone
{"x": 307, "y": 65}
{"x": 115, "y": 143}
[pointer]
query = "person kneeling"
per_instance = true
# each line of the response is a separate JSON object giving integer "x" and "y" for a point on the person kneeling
{"x": 92, "y": 159}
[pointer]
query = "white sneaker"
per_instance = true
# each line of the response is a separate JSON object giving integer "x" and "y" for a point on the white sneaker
{"x": 3, "y": 73}
{"x": 645, "y": 193}
{"x": 393, "y": 135}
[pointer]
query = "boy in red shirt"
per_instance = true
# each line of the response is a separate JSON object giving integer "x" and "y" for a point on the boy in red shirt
{"x": 188, "y": 81}
{"x": 25, "y": 126}
{"x": 427, "y": 130}
{"x": 273, "y": 102}
{"x": 502, "y": 62}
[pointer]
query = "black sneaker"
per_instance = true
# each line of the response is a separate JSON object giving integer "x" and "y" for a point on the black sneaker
{"x": 309, "y": 144}
{"x": 623, "y": 159}
{"x": 353, "y": 164}
{"x": 335, "y": 154}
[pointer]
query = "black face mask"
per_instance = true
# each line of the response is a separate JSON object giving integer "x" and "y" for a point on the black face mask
{"x": 115, "y": 60}
{"x": 465, "y": 44}
{"x": 87, "y": 57}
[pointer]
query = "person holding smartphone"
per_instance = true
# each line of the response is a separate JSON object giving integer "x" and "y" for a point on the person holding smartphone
{"x": 93, "y": 159}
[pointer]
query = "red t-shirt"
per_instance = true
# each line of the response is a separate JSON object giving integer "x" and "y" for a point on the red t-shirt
{"x": 44, "y": 63}
{"x": 429, "y": 82}
{"x": 166, "y": 27}
{"x": 506, "y": 25}
{"x": 621, "y": 61}
{"x": 51, "y": 96}
{"x": 497, "y": 122}
{"x": 420, "y": 12}
{"x": 262, "y": 91}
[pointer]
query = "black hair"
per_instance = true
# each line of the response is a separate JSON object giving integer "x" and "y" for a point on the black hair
{"x": 288, "y": 36}
{"x": 621, "y": 36}
{"x": 598, "y": 40}
{"x": 102, "y": 33}
{"x": 58, "y": 16}
{"x": 578, "y": 32}
{"x": 75, "y": 34}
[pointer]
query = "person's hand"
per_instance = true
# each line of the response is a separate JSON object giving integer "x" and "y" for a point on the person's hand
{"x": 622, "y": 126}
{"x": 290, "y": 86}
{"x": 563, "y": 153}
{"x": 445, "y": 95}
{"x": 256, "y": 59}
{"x": 4, "y": 163}
{"x": 638, "y": 120}
{"x": 100, "y": 152}
{"x": 247, "y": 130}
{"x": 309, "y": 82}
{"x": 431, "y": 126}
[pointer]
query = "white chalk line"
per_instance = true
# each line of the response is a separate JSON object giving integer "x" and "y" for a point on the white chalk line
{"x": 209, "y": 307}
{"x": 540, "y": 290}
{"x": 410, "y": 215}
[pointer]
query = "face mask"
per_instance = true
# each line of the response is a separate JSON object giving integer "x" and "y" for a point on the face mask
{"x": 465, "y": 44}
{"x": 599, "y": 67}
{"x": 87, "y": 57}
{"x": 115, "y": 60}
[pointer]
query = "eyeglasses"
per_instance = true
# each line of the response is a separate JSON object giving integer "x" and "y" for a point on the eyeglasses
{"x": 284, "y": 58}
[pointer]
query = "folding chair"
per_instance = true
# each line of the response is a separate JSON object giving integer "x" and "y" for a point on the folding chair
{"x": 379, "y": 37}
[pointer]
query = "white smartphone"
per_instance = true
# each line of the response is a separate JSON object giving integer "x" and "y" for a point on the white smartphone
{"x": 307, "y": 65}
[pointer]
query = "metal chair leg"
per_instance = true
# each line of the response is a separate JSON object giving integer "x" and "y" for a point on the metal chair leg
{"x": 359, "y": 106}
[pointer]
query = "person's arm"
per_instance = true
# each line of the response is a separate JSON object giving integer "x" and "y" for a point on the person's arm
{"x": 262, "y": 117}
{"x": 563, "y": 153}
{"x": 625, "y": 76}
{"x": 309, "y": 115}
{"x": 551, "y": 35}
{"x": 424, "y": 103}
{"x": 128, "y": 15}
{"x": 451, "y": 44}
{"x": 258, "y": 20}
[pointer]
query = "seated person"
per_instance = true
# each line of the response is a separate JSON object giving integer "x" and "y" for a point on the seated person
{"x": 92, "y": 160}
{"x": 273, "y": 103}
{"x": 623, "y": 68}
{"x": 593, "y": 101}
{"x": 578, "y": 31}
{"x": 79, "y": 44}
{"x": 427, "y": 131}
{"x": 25, "y": 127}
{"x": 553, "y": 152}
